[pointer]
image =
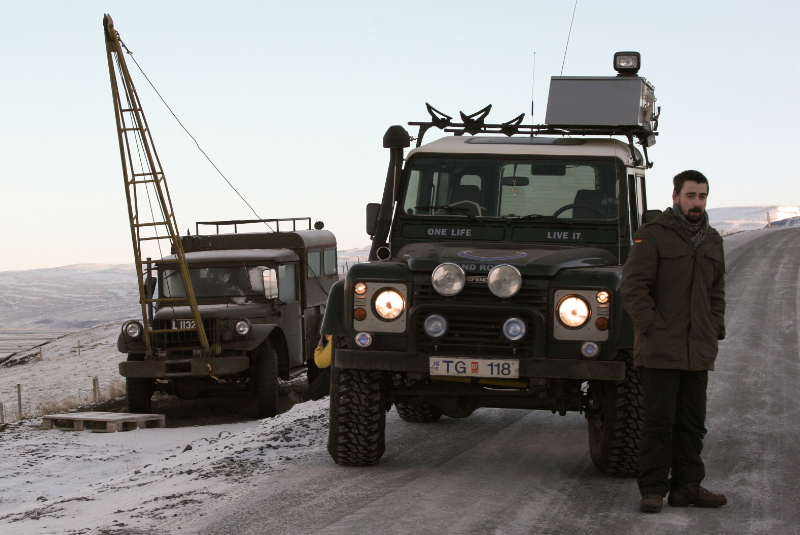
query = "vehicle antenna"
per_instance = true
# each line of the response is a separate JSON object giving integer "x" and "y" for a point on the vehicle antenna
{"x": 568, "y": 34}
{"x": 533, "y": 83}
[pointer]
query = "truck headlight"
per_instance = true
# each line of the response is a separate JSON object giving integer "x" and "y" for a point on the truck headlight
{"x": 242, "y": 327}
{"x": 514, "y": 329}
{"x": 504, "y": 280}
{"x": 573, "y": 311}
{"x": 389, "y": 304}
{"x": 448, "y": 279}
{"x": 435, "y": 325}
{"x": 133, "y": 329}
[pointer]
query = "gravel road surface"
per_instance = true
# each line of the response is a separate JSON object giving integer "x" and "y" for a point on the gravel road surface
{"x": 514, "y": 471}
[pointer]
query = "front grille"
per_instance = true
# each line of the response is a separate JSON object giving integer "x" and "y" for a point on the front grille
{"x": 478, "y": 333}
{"x": 186, "y": 340}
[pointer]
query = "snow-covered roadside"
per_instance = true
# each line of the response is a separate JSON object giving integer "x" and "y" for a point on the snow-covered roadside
{"x": 162, "y": 483}
{"x": 61, "y": 373}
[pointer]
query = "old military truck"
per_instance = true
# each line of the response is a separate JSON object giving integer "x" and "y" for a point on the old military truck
{"x": 494, "y": 274}
{"x": 261, "y": 296}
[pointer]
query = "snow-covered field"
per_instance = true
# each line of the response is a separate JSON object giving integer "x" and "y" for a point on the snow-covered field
{"x": 740, "y": 218}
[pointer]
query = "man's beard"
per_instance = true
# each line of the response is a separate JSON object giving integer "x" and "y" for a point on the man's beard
{"x": 694, "y": 217}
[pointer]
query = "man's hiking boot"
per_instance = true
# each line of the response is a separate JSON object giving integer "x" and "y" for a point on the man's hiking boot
{"x": 695, "y": 495}
{"x": 651, "y": 503}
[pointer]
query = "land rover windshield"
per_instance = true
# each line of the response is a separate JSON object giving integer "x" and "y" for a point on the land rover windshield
{"x": 473, "y": 187}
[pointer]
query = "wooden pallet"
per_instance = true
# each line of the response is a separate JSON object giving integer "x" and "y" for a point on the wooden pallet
{"x": 101, "y": 422}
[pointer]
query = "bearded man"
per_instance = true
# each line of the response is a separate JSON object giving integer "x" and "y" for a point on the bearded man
{"x": 673, "y": 287}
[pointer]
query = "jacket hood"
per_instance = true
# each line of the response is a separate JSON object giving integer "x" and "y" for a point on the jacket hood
{"x": 541, "y": 260}
{"x": 248, "y": 310}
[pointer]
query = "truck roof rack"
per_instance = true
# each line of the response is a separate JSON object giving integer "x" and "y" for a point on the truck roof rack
{"x": 475, "y": 124}
{"x": 235, "y": 223}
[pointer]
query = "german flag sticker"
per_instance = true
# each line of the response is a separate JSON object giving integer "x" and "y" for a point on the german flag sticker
{"x": 637, "y": 240}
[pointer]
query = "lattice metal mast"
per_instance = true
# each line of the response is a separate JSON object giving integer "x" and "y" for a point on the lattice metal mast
{"x": 134, "y": 134}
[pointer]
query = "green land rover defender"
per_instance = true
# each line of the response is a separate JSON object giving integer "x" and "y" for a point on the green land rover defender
{"x": 494, "y": 274}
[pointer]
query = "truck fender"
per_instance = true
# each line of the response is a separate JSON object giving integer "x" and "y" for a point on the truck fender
{"x": 126, "y": 345}
{"x": 258, "y": 333}
{"x": 333, "y": 322}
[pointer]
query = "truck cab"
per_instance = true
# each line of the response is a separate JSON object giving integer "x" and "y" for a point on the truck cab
{"x": 495, "y": 271}
{"x": 261, "y": 297}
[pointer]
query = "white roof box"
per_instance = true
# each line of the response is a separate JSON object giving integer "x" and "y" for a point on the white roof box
{"x": 600, "y": 101}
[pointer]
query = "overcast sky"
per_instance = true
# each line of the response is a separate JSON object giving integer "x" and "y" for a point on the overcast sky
{"x": 291, "y": 100}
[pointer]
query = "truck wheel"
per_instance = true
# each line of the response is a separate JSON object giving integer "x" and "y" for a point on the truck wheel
{"x": 418, "y": 414}
{"x": 615, "y": 429}
{"x": 357, "y": 430}
{"x": 266, "y": 382}
{"x": 139, "y": 391}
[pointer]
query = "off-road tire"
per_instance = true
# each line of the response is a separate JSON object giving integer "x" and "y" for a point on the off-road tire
{"x": 266, "y": 382}
{"x": 357, "y": 427}
{"x": 139, "y": 390}
{"x": 615, "y": 430}
{"x": 419, "y": 414}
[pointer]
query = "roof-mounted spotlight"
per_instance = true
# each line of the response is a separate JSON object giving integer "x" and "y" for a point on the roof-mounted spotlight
{"x": 627, "y": 63}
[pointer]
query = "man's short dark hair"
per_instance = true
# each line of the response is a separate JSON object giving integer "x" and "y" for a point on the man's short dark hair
{"x": 681, "y": 178}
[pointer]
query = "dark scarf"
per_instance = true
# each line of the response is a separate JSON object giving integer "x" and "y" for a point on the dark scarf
{"x": 697, "y": 231}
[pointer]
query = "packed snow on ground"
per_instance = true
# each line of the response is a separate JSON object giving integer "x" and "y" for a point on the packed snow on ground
{"x": 740, "y": 218}
{"x": 147, "y": 480}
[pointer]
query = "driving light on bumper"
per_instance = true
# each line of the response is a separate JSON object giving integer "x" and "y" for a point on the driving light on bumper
{"x": 242, "y": 327}
{"x": 504, "y": 280}
{"x": 435, "y": 325}
{"x": 590, "y": 349}
{"x": 389, "y": 304}
{"x": 363, "y": 339}
{"x": 132, "y": 329}
{"x": 514, "y": 329}
{"x": 573, "y": 311}
{"x": 448, "y": 279}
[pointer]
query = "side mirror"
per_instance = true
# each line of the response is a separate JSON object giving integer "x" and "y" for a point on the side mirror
{"x": 649, "y": 215}
{"x": 150, "y": 287}
{"x": 373, "y": 209}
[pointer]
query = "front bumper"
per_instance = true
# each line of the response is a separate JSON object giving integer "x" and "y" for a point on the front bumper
{"x": 528, "y": 367}
{"x": 200, "y": 367}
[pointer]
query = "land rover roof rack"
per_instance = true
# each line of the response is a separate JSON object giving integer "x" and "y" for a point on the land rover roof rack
{"x": 238, "y": 222}
{"x": 475, "y": 124}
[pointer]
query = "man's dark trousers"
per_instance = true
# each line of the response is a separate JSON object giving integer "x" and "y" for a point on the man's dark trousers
{"x": 674, "y": 427}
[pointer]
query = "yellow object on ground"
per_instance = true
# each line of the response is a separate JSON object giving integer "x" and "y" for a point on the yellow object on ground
{"x": 322, "y": 355}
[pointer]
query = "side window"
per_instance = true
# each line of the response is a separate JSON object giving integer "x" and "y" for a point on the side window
{"x": 270, "y": 279}
{"x": 287, "y": 291}
{"x": 640, "y": 193}
{"x": 329, "y": 261}
{"x": 314, "y": 264}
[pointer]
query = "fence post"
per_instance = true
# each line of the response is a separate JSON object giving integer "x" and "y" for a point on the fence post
{"x": 2, "y": 414}
{"x": 96, "y": 389}
{"x": 19, "y": 401}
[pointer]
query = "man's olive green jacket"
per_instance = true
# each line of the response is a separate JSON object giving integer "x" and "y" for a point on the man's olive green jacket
{"x": 675, "y": 295}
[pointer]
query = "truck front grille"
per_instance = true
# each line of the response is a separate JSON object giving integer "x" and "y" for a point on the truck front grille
{"x": 182, "y": 340}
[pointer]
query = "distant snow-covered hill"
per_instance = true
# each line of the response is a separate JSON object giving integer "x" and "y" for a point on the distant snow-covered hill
{"x": 739, "y": 218}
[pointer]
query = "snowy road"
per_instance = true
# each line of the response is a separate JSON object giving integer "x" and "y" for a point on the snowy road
{"x": 503, "y": 471}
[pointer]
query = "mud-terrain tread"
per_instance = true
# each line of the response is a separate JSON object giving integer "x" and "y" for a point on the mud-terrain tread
{"x": 357, "y": 427}
{"x": 418, "y": 414}
{"x": 139, "y": 391}
{"x": 617, "y": 453}
{"x": 266, "y": 382}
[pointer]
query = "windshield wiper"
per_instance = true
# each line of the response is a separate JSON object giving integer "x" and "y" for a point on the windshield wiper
{"x": 543, "y": 218}
{"x": 457, "y": 210}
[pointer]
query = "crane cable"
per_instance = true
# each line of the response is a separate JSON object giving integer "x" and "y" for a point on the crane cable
{"x": 190, "y": 135}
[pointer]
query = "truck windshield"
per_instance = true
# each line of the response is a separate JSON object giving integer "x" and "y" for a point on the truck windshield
{"x": 472, "y": 187}
{"x": 215, "y": 282}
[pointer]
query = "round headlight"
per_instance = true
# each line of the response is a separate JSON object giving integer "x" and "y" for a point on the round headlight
{"x": 590, "y": 349}
{"x": 361, "y": 288}
{"x": 132, "y": 329}
{"x": 448, "y": 279}
{"x": 389, "y": 304}
{"x": 435, "y": 325}
{"x": 504, "y": 280}
{"x": 363, "y": 339}
{"x": 573, "y": 311}
{"x": 602, "y": 297}
{"x": 242, "y": 327}
{"x": 514, "y": 329}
